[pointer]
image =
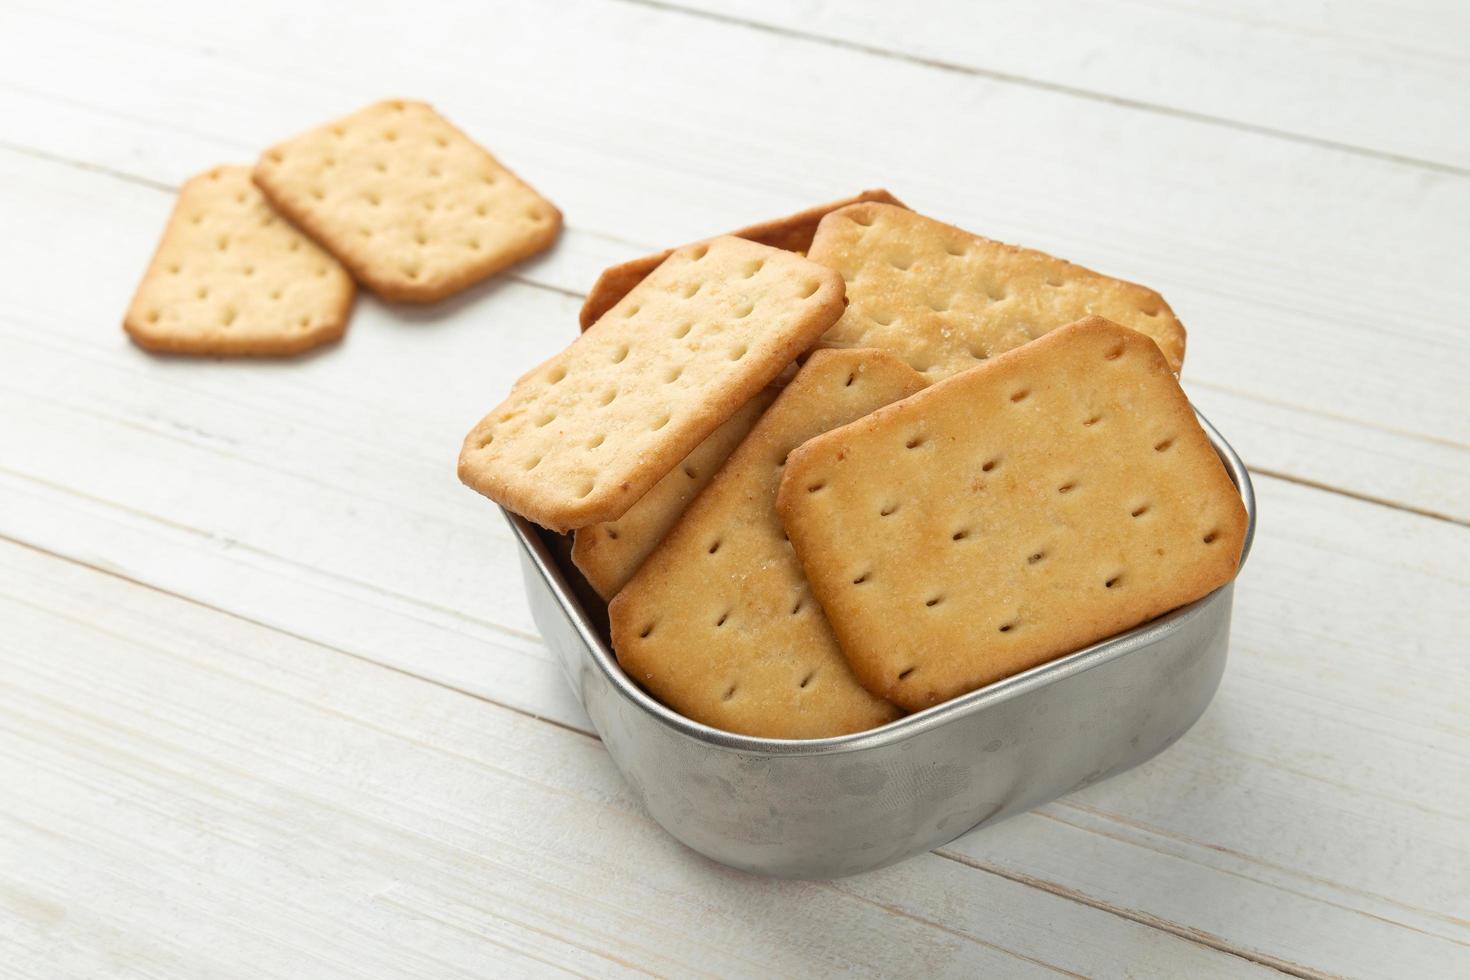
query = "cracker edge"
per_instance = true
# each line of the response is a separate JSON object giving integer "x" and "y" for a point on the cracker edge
{"x": 393, "y": 289}
{"x": 616, "y": 281}
{"x": 588, "y": 552}
{"x": 787, "y": 494}
{"x": 138, "y": 329}
{"x": 714, "y": 414}
{"x": 1176, "y": 363}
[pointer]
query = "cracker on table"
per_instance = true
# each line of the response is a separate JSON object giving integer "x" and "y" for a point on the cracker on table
{"x": 411, "y": 205}
{"x": 945, "y": 300}
{"x": 719, "y": 623}
{"x": 586, "y": 434}
{"x": 1013, "y": 513}
{"x": 793, "y": 233}
{"x": 608, "y": 554}
{"x": 231, "y": 276}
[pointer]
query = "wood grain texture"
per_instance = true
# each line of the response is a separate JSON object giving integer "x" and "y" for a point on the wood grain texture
{"x": 1321, "y": 665}
{"x": 1274, "y": 252}
{"x": 325, "y": 755}
{"x": 365, "y": 822}
{"x": 1375, "y": 77}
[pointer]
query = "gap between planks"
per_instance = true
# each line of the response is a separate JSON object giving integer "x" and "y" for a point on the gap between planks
{"x": 1008, "y": 78}
{"x": 896, "y": 910}
{"x": 152, "y": 518}
{"x": 299, "y": 637}
{"x": 1302, "y": 481}
{"x": 521, "y": 279}
{"x": 1117, "y": 818}
{"x": 1195, "y": 936}
{"x": 1365, "y": 423}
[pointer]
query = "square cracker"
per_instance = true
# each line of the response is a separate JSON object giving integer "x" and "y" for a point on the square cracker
{"x": 718, "y": 623}
{"x": 1018, "y": 511}
{"x": 945, "y": 300}
{"x": 608, "y": 554}
{"x": 793, "y": 233}
{"x": 231, "y": 276}
{"x": 411, "y": 205}
{"x": 590, "y": 431}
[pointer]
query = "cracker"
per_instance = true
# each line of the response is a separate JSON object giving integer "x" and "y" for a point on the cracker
{"x": 793, "y": 233}
{"x": 945, "y": 300}
{"x": 411, "y": 205}
{"x": 231, "y": 276}
{"x": 608, "y": 554}
{"x": 718, "y": 623}
{"x": 1012, "y": 513}
{"x": 587, "y": 433}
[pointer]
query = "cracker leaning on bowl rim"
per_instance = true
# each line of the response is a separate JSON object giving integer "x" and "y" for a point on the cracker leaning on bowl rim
{"x": 582, "y": 437}
{"x": 1010, "y": 514}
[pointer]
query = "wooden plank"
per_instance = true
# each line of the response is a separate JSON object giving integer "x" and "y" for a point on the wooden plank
{"x": 1337, "y": 736}
{"x": 1422, "y": 475}
{"x": 1385, "y": 78}
{"x": 234, "y": 802}
{"x": 1282, "y": 270}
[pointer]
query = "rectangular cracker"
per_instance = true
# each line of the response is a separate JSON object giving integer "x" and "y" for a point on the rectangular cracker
{"x": 793, "y": 233}
{"x": 718, "y": 623}
{"x": 411, "y": 205}
{"x": 944, "y": 300}
{"x": 590, "y": 431}
{"x": 1013, "y": 513}
{"x": 231, "y": 276}
{"x": 608, "y": 554}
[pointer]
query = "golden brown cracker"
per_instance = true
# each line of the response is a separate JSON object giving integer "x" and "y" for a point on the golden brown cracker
{"x": 589, "y": 432}
{"x": 231, "y": 276}
{"x": 944, "y": 300}
{"x": 793, "y": 233}
{"x": 1010, "y": 514}
{"x": 718, "y": 623}
{"x": 411, "y": 205}
{"x": 608, "y": 554}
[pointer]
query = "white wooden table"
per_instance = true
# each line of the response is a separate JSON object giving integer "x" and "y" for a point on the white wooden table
{"x": 271, "y": 703}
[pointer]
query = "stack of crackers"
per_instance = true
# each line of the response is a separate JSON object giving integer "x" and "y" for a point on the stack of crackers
{"x": 262, "y": 261}
{"x": 843, "y": 466}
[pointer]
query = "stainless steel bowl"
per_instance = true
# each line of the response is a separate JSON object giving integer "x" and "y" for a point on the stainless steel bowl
{"x": 837, "y": 806}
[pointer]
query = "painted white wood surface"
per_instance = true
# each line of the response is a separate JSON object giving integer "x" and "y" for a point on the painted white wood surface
{"x": 1379, "y": 77}
{"x": 273, "y": 703}
{"x": 1313, "y": 280}
{"x": 238, "y": 800}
